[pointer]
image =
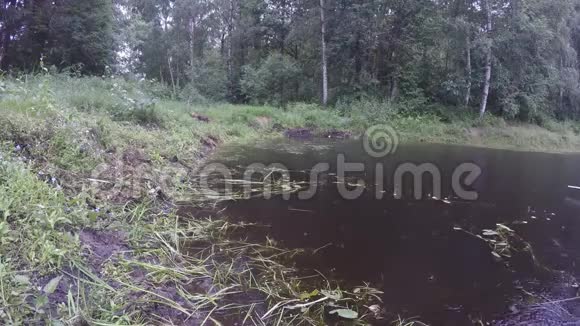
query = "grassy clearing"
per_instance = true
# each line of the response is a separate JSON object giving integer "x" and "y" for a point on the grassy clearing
{"x": 90, "y": 172}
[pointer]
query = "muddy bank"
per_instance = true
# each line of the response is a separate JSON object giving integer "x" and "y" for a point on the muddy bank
{"x": 308, "y": 134}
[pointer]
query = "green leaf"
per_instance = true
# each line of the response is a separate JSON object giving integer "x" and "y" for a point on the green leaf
{"x": 51, "y": 286}
{"x": 93, "y": 216}
{"x": 40, "y": 302}
{"x": 345, "y": 313}
{"x": 306, "y": 295}
{"x": 22, "y": 279}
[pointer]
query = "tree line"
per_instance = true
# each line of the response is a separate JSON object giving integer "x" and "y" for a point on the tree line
{"x": 515, "y": 58}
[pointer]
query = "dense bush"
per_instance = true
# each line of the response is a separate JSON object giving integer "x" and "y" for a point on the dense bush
{"x": 367, "y": 107}
{"x": 191, "y": 94}
{"x": 208, "y": 77}
{"x": 272, "y": 81}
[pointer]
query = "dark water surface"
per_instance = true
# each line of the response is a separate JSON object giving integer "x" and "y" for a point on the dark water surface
{"x": 413, "y": 249}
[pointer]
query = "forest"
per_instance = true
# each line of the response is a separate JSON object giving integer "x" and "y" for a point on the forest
{"x": 517, "y": 59}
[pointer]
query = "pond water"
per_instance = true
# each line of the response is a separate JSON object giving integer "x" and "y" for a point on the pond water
{"x": 425, "y": 254}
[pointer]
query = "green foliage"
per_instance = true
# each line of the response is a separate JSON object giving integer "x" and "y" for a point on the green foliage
{"x": 67, "y": 153}
{"x": 411, "y": 54}
{"x": 155, "y": 89}
{"x": 191, "y": 94}
{"x": 35, "y": 213}
{"x": 121, "y": 100}
{"x": 208, "y": 76}
{"x": 371, "y": 109}
{"x": 146, "y": 115}
{"x": 83, "y": 35}
{"x": 269, "y": 81}
{"x": 70, "y": 33}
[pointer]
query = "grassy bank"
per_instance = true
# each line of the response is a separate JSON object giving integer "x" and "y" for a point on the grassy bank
{"x": 90, "y": 172}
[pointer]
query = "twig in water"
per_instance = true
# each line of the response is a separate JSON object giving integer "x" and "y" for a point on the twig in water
{"x": 556, "y": 301}
{"x": 276, "y": 306}
{"x": 305, "y": 305}
{"x": 300, "y": 210}
{"x": 297, "y": 306}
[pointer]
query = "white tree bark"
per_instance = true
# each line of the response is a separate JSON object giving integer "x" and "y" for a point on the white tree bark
{"x": 324, "y": 60}
{"x": 487, "y": 82}
{"x": 230, "y": 41}
{"x": 561, "y": 87}
{"x": 467, "y": 70}
{"x": 192, "y": 41}
{"x": 169, "y": 59}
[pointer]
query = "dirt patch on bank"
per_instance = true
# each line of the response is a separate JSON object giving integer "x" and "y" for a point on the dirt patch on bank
{"x": 309, "y": 133}
{"x": 337, "y": 134}
{"x": 102, "y": 245}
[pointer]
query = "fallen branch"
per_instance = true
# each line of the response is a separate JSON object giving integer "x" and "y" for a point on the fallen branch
{"x": 276, "y": 306}
{"x": 556, "y": 301}
{"x": 306, "y": 305}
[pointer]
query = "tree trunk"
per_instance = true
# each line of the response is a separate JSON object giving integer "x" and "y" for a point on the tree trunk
{"x": 5, "y": 35}
{"x": 230, "y": 45}
{"x": 394, "y": 86}
{"x": 192, "y": 42}
{"x": 357, "y": 60}
{"x": 468, "y": 71}
{"x": 561, "y": 86}
{"x": 222, "y": 44}
{"x": 487, "y": 82}
{"x": 324, "y": 63}
{"x": 172, "y": 77}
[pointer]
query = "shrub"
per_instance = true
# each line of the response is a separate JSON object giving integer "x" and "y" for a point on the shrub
{"x": 191, "y": 95}
{"x": 146, "y": 116}
{"x": 209, "y": 78}
{"x": 156, "y": 89}
{"x": 369, "y": 108}
{"x": 269, "y": 82}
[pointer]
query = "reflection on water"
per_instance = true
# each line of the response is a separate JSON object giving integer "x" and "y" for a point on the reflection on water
{"x": 413, "y": 249}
